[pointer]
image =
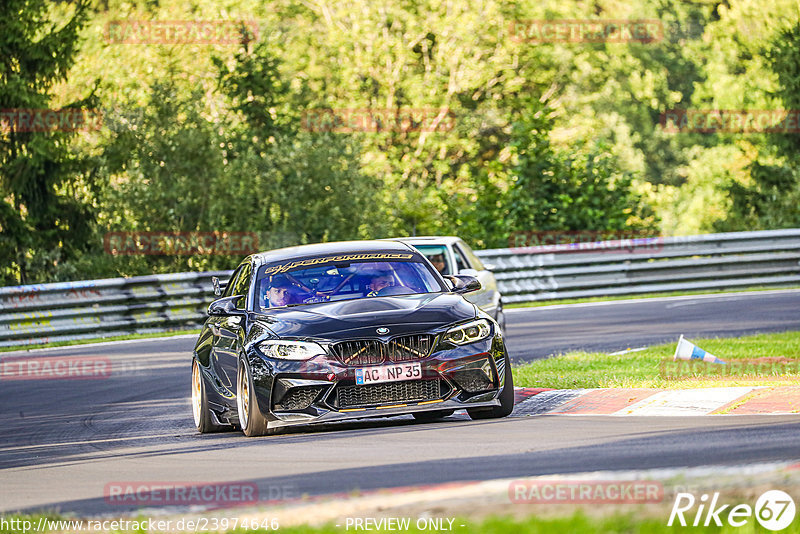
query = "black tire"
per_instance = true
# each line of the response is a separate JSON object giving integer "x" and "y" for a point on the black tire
{"x": 251, "y": 421}
{"x": 506, "y": 400}
{"x": 433, "y": 416}
{"x": 201, "y": 413}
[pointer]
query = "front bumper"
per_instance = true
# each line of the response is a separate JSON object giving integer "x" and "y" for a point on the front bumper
{"x": 323, "y": 389}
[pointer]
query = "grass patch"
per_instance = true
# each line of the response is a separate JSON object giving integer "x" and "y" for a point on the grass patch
{"x": 101, "y": 340}
{"x": 759, "y": 360}
{"x": 540, "y": 303}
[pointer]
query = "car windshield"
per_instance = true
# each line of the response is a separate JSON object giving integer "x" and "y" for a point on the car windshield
{"x": 309, "y": 281}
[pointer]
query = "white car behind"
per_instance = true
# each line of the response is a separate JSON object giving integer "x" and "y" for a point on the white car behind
{"x": 458, "y": 258}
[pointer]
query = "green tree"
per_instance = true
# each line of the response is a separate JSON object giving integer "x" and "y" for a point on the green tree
{"x": 44, "y": 216}
{"x": 300, "y": 186}
{"x": 771, "y": 199}
{"x": 161, "y": 169}
{"x": 579, "y": 191}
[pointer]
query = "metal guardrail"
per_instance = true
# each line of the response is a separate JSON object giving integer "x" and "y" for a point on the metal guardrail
{"x": 44, "y": 313}
{"x": 36, "y": 314}
{"x": 647, "y": 265}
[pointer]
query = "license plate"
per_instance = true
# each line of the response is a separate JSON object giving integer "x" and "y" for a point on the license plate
{"x": 388, "y": 373}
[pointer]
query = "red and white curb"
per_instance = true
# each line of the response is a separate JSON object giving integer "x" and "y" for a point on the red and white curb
{"x": 658, "y": 402}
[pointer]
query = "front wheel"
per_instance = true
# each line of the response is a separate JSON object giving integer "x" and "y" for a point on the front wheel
{"x": 200, "y": 410}
{"x": 506, "y": 399}
{"x": 251, "y": 421}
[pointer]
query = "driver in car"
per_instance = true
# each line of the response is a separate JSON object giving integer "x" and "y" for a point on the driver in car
{"x": 379, "y": 282}
{"x": 438, "y": 261}
{"x": 278, "y": 293}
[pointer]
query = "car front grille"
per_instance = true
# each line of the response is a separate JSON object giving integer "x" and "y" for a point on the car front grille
{"x": 473, "y": 380}
{"x": 388, "y": 393}
{"x": 375, "y": 351}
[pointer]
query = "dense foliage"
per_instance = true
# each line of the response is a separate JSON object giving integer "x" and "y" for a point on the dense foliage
{"x": 44, "y": 217}
{"x": 515, "y": 135}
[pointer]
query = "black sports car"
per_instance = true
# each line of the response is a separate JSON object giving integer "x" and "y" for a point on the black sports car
{"x": 336, "y": 331}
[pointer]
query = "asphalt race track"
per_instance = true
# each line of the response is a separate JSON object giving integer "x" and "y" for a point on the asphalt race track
{"x": 536, "y": 333}
{"x": 64, "y": 441}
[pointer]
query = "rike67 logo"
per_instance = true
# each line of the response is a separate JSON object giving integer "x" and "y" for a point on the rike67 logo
{"x": 774, "y": 510}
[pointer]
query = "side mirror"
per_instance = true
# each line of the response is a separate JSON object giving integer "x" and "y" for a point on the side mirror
{"x": 464, "y": 284}
{"x": 225, "y": 306}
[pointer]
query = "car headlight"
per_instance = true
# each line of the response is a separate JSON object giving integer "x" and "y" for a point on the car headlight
{"x": 290, "y": 350}
{"x": 470, "y": 332}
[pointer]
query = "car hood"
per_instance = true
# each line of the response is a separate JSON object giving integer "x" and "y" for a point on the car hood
{"x": 360, "y": 317}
